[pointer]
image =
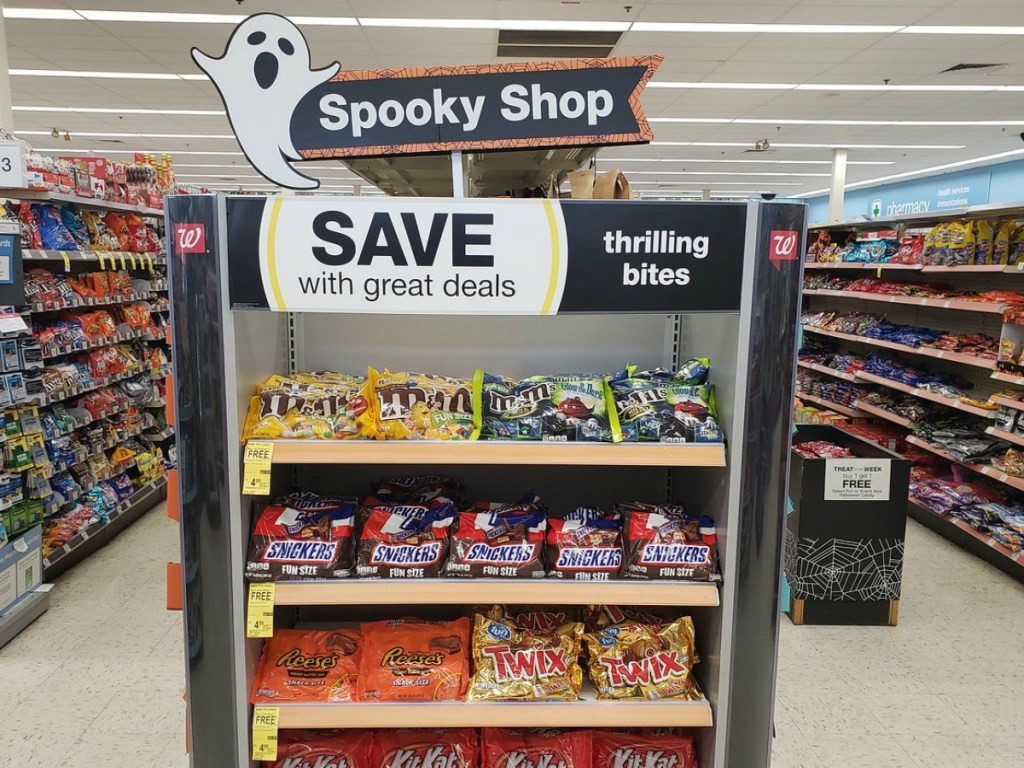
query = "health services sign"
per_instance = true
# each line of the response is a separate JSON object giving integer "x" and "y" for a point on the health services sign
{"x": 480, "y": 256}
{"x": 283, "y": 111}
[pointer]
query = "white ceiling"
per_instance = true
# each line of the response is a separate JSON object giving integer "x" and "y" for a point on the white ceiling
{"x": 708, "y": 57}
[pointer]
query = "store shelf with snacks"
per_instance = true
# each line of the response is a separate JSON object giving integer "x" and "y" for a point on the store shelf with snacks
{"x": 970, "y": 538}
{"x": 586, "y": 713}
{"x": 914, "y": 301}
{"x": 824, "y": 369}
{"x": 115, "y": 259}
{"x": 51, "y": 351}
{"x": 882, "y": 413}
{"x": 837, "y": 407}
{"x": 489, "y": 591}
{"x": 86, "y": 303}
{"x": 924, "y": 394}
{"x": 1009, "y": 402}
{"x": 861, "y": 265}
{"x": 1009, "y": 378}
{"x": 497, "y": 452}
{"x": 164, "y": 434}
{"x": 919, "y": 220}
{"x": 95, "y": 536}
{"x": 93, "y": 203}
{"x": 1010, "y": 437}
{"x": 570, "y": 455}
{"x": 985, "y": 469}
{"x": 923, "y": 351}
{"x": 43, "y": 399}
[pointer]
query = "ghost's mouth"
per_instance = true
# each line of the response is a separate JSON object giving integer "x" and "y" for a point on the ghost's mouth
{"x": 265, "y": 68}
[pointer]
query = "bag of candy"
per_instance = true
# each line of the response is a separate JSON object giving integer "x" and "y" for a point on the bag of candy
{"x": 419, "y": 406}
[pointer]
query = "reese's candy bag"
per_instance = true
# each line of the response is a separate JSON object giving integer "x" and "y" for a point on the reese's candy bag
{"x": 586, "y": 545}
{"x": 424, "y": 748}
{"x": 556, "y": 408}
{"x": 659, "y": 406}
{"x": 323, "y": 749}
{"x": 414, "y": 660}
{"x": 618, "y": 749}
{"x": 640, "y": 661}
{"x": 419, "y": 406}
{"x": 308, "y": 665}
{"x": 403, "y": 540}
{"x": 303, "y": 535}
{"x": 534, "y": 748}
{"x": 504, "y": 541}
{"x": 662, "y": 542}
{"x": 513, "y": 664}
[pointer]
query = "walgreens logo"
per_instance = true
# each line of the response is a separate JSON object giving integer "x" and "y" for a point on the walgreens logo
{"x": 190, "y": 238}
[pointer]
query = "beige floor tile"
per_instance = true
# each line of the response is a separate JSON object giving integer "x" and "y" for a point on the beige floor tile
{"x": 860, "y": 751}
{"x": 793, "y": 751}
{"x": 963, "y": 751}
{"x": 143, "y": 712}
{"x": 114, "y": 750}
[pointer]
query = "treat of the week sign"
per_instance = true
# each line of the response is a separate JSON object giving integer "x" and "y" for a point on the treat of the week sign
{"x": 283, "y": 112}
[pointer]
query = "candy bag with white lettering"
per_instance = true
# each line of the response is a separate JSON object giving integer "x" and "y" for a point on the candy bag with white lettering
{"x": 424, "y": 748}
{"x": 585, "y": 546}
{"x": 505, "y": 541}
{"x": 323, "y": 749}
{"x": 641, "y": 661}
{"x": 403, "y": 540}
{"x": 663, "y": 542}
{"x": 618, "y": 749}
{"x": 534, "y": 748}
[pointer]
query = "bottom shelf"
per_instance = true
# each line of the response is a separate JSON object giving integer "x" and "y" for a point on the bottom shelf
{"x": 23, "y": 613}
{"x": 971, "y": 539}
{"x": 588, "y": 712}
{"x": 94, "y": 537}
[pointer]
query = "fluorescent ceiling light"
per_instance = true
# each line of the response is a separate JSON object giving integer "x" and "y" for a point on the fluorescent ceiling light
{"x": 513, "y": 24}
{"x": 723, "y": 86}
{"x": 730, "y": 173}
{"x": 117, "y": 111}
{"x": 712, "y": 184}
{"x": 148, "y": 16}
{"x": 781, "y": 145}
{"x": 737, "y": 162}
{"x": 788, "y": 29}
{"x": 716, "y": 86}
{"x": 76, "y": 73}
{"x": 111, "y": 135}
{"x": 917, "y": 29}
{"x": 104, "y": 151}
{"x": 788, "y": 121}
{"x": 49, "y": 14}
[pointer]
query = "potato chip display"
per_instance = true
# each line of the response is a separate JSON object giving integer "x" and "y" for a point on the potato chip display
{"x": 419, "y": 406}
{"x": 323, "y": 749}
{"x": 308, "y": 665}
{"x": 414, "y": 660}
{"x": 425, "y": 748}
{"x": 619, "y": 749}
{"x": 534, "y": 748}
{"x": 640, "y": 661}
{"x": 662, "y": 542}
{"x": 513, "y": 664}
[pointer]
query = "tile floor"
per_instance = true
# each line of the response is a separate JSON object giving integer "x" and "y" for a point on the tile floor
{"x": 97, "y": 681}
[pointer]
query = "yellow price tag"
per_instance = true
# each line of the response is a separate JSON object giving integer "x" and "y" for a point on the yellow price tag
{"x": 260, "y": 618}
{"x": 150, "y": 260}
{"x": 131, "y": 258}
{"x": 259, "y": 458}
{"x": 124, "y": 263}
{"x": 103, "y": 262}
{"x": 264, "y": 732}
{"x": 67, "y": 261}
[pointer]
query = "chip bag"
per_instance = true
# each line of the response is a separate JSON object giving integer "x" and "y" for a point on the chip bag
{"x": 52, "y": 232}
{"x": 513, "y": 664}
{"x": 414, "y": 660}
{"x": 640, "y": 661}
{"x": 534, "y": 748}
{"x": 308, "y": 666}
{"x": 418, "y": 406}
{"x": 556, "y": 408}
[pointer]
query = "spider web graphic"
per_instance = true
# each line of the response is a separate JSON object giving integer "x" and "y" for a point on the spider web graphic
{"x": 844, "y": 569}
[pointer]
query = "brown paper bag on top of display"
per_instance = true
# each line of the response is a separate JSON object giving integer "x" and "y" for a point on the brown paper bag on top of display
{"x": 612, "y": 186}
{"x": 582, "y": 183}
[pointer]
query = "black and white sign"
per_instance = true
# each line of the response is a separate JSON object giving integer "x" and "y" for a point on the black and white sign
{"x": 283, "y": 111}
{"x": 480, "y": 256}
{"x": 857, "y": 479}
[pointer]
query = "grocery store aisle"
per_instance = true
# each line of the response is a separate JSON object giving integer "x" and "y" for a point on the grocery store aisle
{"x": 97, "y": 681}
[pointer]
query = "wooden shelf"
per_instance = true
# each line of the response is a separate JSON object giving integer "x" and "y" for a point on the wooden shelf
{"x": 881, "y": 413}
{"x": 82, "y": 202}
{"x": 985, "y": 469}
{"x": 1010, "y": 437}
{"x": 827, "y": 371}
{"x": 487, "y": 591}
{"x": 1009, "y": 378}
{"x": 843, "y": 409}
{"x": 1009, "y": 402}
{"x": 914, "y": 301}
{"x": 923, "y": 394}
{"x": 508, "y": 714}
{"x": 939, "y": 354}
{"x": 498, "y": 452}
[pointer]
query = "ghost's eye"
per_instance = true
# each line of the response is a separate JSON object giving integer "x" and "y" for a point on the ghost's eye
{"x": 286, "y": 46}
{"x": 256, "y": 38}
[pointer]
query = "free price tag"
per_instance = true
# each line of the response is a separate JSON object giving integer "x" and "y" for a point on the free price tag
{"x": 857, "y": 479}
{"x": 264, "y": 732}
{"x": 259, "y": 459}
{"x": 260, "y": 617}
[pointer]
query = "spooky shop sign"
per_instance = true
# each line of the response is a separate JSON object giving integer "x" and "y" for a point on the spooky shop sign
{"x": 282, "y": 111}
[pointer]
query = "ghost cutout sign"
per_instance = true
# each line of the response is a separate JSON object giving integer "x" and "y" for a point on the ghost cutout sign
{"x": 262, "y": 75}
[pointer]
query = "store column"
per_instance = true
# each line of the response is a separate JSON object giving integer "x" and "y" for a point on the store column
{"x": 836, "y": 195}
{"x": 6, "y": 112}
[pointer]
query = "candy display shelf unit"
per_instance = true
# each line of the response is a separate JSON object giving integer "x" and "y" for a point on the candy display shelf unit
{"x": 243, "y": 308}
{"x": 950, "y": 314}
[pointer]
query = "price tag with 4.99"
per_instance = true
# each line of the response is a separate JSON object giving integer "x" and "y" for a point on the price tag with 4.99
{"x": 260, "y": 616}
{"x": 259, "y": 460}
{"x": 264, "y": 732}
